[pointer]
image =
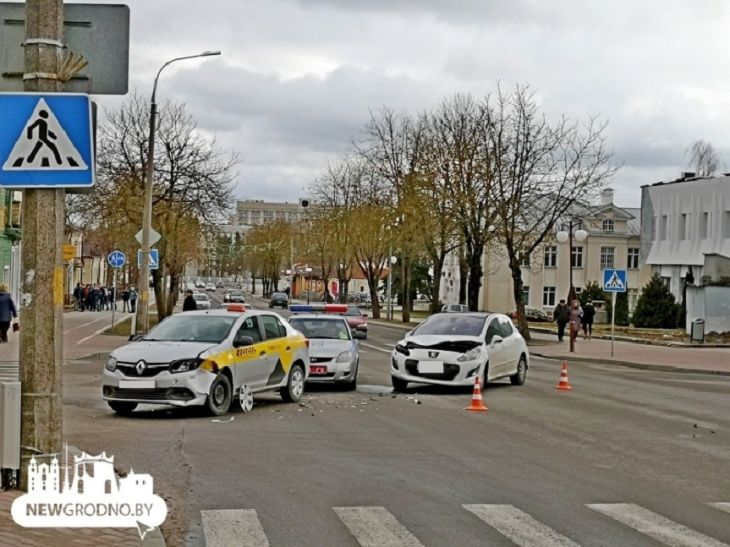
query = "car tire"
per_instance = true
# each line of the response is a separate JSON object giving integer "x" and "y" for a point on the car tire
{"x": 219, "y": 398}
{"x": 485, "y": 375}
{"x": 352, "y": 384}
{"x": 294, "y": 388}
{"x": 518, "y": 378}
{"x": 398, "y": 384}
{"x": 123, "y": 408}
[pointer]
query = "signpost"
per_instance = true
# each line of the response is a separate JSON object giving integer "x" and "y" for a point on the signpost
{"x": 614, "y": 281}
{"x": 116, "y": 260}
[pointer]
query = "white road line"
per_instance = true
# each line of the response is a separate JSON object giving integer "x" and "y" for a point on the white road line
{"x": 239, "y": 527}
{"x": 518, "y": 526}
{"x": 722, "y": 506}
{"x": 85, "y": 325}
{"x": 98, "y": 332}
{"x": 656, "y": 526}
{"x": 376, "y": 527}
{"x": 376, "y": 348}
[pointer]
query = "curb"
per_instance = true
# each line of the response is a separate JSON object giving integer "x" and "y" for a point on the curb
{"x": 629, "y": 364}
{"x": 644, "y": 341}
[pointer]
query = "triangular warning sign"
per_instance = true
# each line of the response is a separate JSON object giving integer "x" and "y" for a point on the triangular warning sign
{"x": 615, "y": 282}
{"x": 44, "y": 145}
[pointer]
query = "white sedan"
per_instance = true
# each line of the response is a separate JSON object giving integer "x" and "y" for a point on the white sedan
{"x": 451, "y": 349}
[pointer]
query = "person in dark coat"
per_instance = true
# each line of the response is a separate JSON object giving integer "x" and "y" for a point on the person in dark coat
{"x": 7, "y": 312}
{"x": 560, "y": 314}
{"x": 589, "y": 312}
{"x": 189, "y": 302}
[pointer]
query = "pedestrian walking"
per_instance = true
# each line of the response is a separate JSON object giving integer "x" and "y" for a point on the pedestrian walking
{"x": 189, "y": 302}
{"x": 7, "y": 312}
{"x": 589, "y": 313}
{"x": 560, "y": 315}
{"x": 132, "y": 300}
{"x": 78, "y": 297}
{"x": 576, "y": 312}
{"x": 125, "y": 299}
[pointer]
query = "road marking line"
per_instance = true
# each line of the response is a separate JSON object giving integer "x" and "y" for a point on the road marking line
{"x": 376, "y": 348}
{"x": 240, "y": 527}
{"x": 376, "y": 527}
{"x": 101, "y": 330}
{"x": 85, "y": 325}
{"x": 518, "y": 526}
{"x": 656, "y": 526}
{"x": 722, "y": 506}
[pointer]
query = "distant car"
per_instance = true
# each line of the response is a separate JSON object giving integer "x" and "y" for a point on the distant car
{"x": 357, "y": 321}
{"x": 219, "y": 285}
{"x": 279, "y": 299}
{"x": 454, "y": 308}
{"x": 333, "y": 352}
{"x": 199, "y": 285}
{"x": 210, "y": 287}
{"x": 533, "y": 314}
{"x": 201, "y": 300}
{"x": 233, "y": 296}
{"x": 451, "y": 349}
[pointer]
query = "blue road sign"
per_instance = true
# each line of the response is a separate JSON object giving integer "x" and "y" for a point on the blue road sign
{"x": 46, "y": 140}
{"x": 614, "y": 280}
{"x": 154, "y": 259}
{"x": 116, "y": 259}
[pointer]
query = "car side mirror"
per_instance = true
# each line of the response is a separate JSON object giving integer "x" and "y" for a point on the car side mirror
{"x": 135, "y": 337}
{"x": 365, "y": 315}
{"x": 496, "y": 339}
{"x": 242, "y": 341}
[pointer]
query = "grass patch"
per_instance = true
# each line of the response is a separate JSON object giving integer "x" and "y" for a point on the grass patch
{"x": 123, "y": 328}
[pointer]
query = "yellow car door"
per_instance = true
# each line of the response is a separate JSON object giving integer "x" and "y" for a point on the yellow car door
{"x": 252, "y": 362}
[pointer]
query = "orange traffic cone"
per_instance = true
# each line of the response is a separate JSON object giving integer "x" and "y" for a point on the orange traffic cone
{"x": 563, "y": 383}
{"x": 476, "y": 399}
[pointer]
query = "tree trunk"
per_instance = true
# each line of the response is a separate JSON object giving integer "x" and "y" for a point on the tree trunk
{"x": 517, "y": 286}
{"x": 406, "y": 307}
{"x": 475, "y": 277}
{"x": 373, "y": 287}
{"x": 463, "y": 277}
{"x": 158, "y": 277}
{"x": 438, "y": 268}
{"x": 174, "y": 291}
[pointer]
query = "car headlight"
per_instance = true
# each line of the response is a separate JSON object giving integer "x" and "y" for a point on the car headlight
{"x": 184, "y": 365}
{"x": 400, "y": 348}
{"x": 111, "y": 364}
{"x": 344, "y": 357}
{"x": 470, "y": 355}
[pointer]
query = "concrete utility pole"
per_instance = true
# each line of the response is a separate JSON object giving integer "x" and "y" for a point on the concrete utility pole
{"x": 41, "y": 344}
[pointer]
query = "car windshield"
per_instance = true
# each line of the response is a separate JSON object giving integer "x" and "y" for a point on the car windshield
{"x": 464, "y": 325}
{"x": 321, "y": 328}
{"x": 192, "y": 328}
{"x": 353, "y": 311}
{"x": 200, "y": 297}
{"x": 278, "y": 295}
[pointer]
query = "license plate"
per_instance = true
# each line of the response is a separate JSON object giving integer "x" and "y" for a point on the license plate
{"x": 431, "y": 367}
{"x": 317, "y": 370}
{"x": 136, "y": 384}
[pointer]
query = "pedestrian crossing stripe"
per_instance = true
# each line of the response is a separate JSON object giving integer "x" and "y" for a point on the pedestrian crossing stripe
{"x": 375, "y": 526}
{"x": 44, "y": 145}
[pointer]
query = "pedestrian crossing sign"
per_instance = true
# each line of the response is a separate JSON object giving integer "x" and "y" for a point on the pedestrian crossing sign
{"x": 46, "y": 141}
{"x": 154, "y": 259}
{"x": 614, "y": 280}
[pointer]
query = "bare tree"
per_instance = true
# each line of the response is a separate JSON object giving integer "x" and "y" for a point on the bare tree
{"x": 703, "y": 158}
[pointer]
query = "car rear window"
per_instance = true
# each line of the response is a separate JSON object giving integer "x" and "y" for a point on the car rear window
{"x": 465, "y": 325}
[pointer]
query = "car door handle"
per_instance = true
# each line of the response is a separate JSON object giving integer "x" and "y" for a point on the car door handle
{"x": 288, "y": 348}
{"x": 262, "y": 353}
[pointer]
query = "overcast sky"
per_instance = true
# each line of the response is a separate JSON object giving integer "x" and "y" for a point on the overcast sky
{"x": 297, "y": 78}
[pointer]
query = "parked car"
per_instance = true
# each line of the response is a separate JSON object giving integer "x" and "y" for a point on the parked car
{"x": 219, "y": 285}
{"x": 357, "y": 321}
{"x": 208, "y": 358}
{"x": 232, "y": 295}
{"x": 279, "y": 299}
{"x": 533, "y": 314}
{"x": 454, "y": 308}
{"x": 333, "y": 351}
{"x": 201, "y": 300}
{"x": 453, "y": 348}
{"x": 210, "y": 287}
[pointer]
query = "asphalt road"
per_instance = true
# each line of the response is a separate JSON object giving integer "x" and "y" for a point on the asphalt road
{"x": 628, "y": 458}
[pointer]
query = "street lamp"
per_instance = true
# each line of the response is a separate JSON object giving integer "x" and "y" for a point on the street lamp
{"x": 144, "y": 270}
{"x": 308, "y": 271}
{"x": 393, "y": 260}
{"x": 566, "y": 236}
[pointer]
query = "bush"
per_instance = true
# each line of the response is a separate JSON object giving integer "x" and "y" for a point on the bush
{"x": 592, "y": 291}
{"x": 622, "y": 309}
{"x": 656, "y": 307}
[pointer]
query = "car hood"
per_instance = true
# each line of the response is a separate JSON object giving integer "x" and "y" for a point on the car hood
{"x": 325, "y": 347}
{"x": 160, "y": 352}
{"x": 459, "y": 344}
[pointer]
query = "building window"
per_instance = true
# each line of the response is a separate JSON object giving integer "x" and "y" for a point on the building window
{"x": 663, "y": 227}
{"x": 551, "y": 256}
{"x": 632, "y": 262}
{"x": 523, "y": 258}
{"x": 526, "y": 295}
{"x": 704, "y": 226}
{"x": 576, "y": 258}
{"x": 607, "y": 255}
{"x": 608, "y": 225}
{"x": 548, "y": 296}
{"x": 684, "y": 226}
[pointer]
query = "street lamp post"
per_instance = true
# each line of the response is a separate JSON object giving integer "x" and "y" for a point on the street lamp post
{"x": 308, "y": 270}
{"x": 566, "y": 236}
{"x": 392, "y": 260}
{"x": 142, "y": 325}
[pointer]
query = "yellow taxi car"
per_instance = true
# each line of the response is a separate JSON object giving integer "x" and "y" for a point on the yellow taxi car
{"x": 209, "y": 358}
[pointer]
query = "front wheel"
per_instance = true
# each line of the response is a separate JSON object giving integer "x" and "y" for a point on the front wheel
{"x": 352, "y": 384}
{"x": 122, "y": 408}
{"x": 518, "y": 378}
{"x": 398, "y": 384}
{"x": 294, "y": 388}
{"x": 219, "y": 398}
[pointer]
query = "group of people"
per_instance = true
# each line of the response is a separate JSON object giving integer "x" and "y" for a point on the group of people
{"x": 98, "y": 297}
{"x": 574, "y": 315}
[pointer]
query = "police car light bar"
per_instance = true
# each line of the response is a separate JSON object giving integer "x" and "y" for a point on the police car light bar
{"x": 318, "y": 308}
